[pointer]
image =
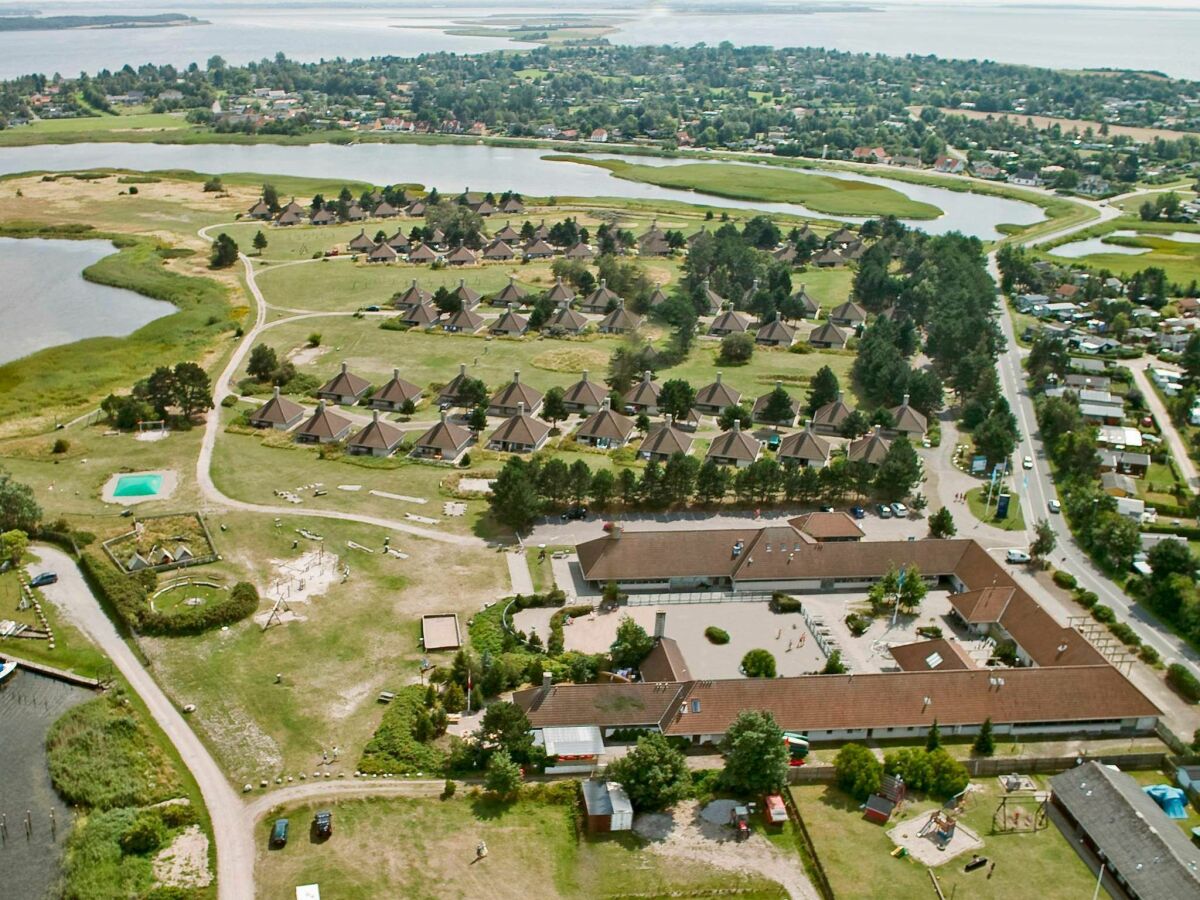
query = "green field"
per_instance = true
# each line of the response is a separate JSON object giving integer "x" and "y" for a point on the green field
{"x": 1015, "y": 520}
{"x": 834, "y": 196}
{"x": 1180, "y": 259}
{"x": 424, "y": 848}
{"x": 88, "y": 127}
{"x": 857, "y": 857}
{"x": 357, "y": 638}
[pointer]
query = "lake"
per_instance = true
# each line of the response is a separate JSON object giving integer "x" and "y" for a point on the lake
{"x": 455, "y": 167}
{"x": 1089, "y": 246}
{"x": 46, "y": 301}
{"x": 1160, "y": 36}
{"x": 29, "y": 705}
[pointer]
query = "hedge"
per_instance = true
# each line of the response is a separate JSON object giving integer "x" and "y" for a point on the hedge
{"x": 126, "y": 596}
{"x": 716, "y": 635}
{"x": 394, "y": 748}
{"x": 785, "y": 603}
{"x": 1064, "y": 579}
{"x": 554, "y": 644}
{"x": 241, "y": 602}
{"x": 1182, "y": 679}
{"x": 1086, "y": 599}
{"x": 1125, "y": 634}
{"x": 1102, "y": 613}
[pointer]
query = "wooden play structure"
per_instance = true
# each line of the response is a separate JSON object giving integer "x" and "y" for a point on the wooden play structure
{"x": 942, "y": 823}
{"x": 882, "y": 805}
{"x": 1020, "y": 812}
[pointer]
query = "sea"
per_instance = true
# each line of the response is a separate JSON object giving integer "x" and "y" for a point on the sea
{"x": 1157, "y": 35}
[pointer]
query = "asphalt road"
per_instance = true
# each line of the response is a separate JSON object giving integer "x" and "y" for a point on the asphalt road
{"x": 1037, "y": 489}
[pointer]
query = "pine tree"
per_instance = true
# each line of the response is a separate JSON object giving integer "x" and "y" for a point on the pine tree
{"x": 933, "y": 740}
{"x": 985, "y": 744}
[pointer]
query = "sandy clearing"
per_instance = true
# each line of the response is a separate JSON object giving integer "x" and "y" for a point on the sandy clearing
{"x": 184, "y": 862}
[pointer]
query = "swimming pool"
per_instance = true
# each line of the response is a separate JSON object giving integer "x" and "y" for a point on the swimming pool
{"x": 146, "y": 485}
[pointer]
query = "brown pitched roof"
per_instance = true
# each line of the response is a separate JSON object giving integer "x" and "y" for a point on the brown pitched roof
{"x": 806, "y": 301}
{"x": 278, "y": 410}
{"x": 828, "y": 333}
{"x": 520, "y": 429}
{"x": 325, "y": 423}
{"x": 580, "y": 251}
{"x": 464, "y": 320}
{"x": 959, "y": 696}
{"x": 607, "y": 705}
{"x": 498, "y": 250}
{"x": 507, "y": 233}
{"x": 984, "y": 606}
{"x": 414, "y": 293}
{"x": 735, "y": 444}
{"x": 467, "y": 296}
{"x": 586, "y": 392}
{"x": 731, "y": 321}
{"x": 537, "y": 248}
{"x": 345, "y": 384}
{"x": 804, "y": 445}
{"x": 511, "y": 323}
{"x": 599, "y": 299}
{"x": 378, "y": 435}
{"x": 823, "y": 525}
{"x": 620, "y": 319}
{"x": 445, "y": 436}
{"x": 420, "y": 314}
{"x": 919, "y": 657}
{"x": 566, "y": 319}
{"x": 606, "y": 424}
{"x": 360, "y": 242}
{"x": 718, "y": 394}
{"x": 776, "y": 331}
{"x": 516, "y": 392}
{"x": 850, "y": 311}
{"x": 511, "y": 293}
{"x": 422, "y": 253}
{"x": 560, "y": 292}
{"x": 396, "y": 391}
{"x": 909, "y": 420}
{"x": 665, "y": 439}
{"x": 665, "y": 663}
{"x": 832, "y": 414}
{"x": 644, "y": 393}
{"x": 871, "y": 448}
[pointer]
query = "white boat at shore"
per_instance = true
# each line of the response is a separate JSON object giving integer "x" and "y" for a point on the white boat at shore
{"x": 7, "y": 668}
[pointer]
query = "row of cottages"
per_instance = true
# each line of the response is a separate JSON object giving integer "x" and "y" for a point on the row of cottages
{"x": 295, "y": 214}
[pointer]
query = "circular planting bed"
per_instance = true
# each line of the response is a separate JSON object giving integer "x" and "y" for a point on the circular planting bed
{"x": 182, "y": 597}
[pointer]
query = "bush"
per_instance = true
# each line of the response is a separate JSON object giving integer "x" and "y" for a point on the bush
{"x": 449, "y": 788}
{"x": 1181, "y": 678}
{"x": 716, "y": 635}
{"x": 1125, "y": 634}
{"x": 858, "y": 624}
{"x": 1065, "y": 579}
{"x": 858, "y": 771}
{"x": 1086, "y": 599}
{"x": 785, "y": 603}
{"x": 241, "y": 602}
{"x": 1102, "y": 613}
{"x": 395, "y": 746}
{"x": 758, "y": 663}
{"x": 930, "y": 632}
{"x": 1148, "y": 654}
{"x": 61, "y": 445}
{"x": 145, "y": 835}
{"x": 314, "y": 339}
{"x": 229, "y": 402}
{"x": 100, "y": 756}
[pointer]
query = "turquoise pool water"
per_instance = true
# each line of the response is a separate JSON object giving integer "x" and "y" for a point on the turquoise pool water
{"x": 138, "y": 485}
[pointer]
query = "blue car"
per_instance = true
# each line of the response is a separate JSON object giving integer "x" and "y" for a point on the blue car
{"x": 44, "y": 579}
{"x": 858, "y": 512}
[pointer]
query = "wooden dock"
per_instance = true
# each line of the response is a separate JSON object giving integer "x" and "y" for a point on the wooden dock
{"x": 52, "y": 672}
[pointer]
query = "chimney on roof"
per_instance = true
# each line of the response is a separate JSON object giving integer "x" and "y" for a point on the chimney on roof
{"x": 737, "y": 426}
{"x": 668, "y": 418}
{"x": 778, "y": 385}
{"x": 462, "y": 369}
{"x": 605, "y": 404}
{"x": 517, "y": 377}
{"x": 375, "y": 416}
{"x": 462, "y": 282}
{"x": 905, "y": 403}
{"x": 547, "y": 682}
{"x": 442, "y": 416}
{"x": 603, "y": 284}
{"x": 614, "y": 533}
{"x": 646, "y": 377}
{"x": 839, "y": 397}
{"x": 343, "y": 368}
{"x": 276, "y": 392}
{"x": 585, "y": 375}
{"x": 660, "y": 624}
{"x": 718, "y": 378}
{"x": 320, "y": 406}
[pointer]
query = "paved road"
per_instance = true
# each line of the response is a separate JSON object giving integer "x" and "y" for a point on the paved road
{"x": 223, "y": 386}
{"x": 1187, "y": 468}
{"x": 1038, "y": 488}
{"x": 235, "y": 854}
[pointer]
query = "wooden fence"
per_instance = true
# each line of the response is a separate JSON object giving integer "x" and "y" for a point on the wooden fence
{"x": 808, "y": 850}
{"x": 986, "y": 766}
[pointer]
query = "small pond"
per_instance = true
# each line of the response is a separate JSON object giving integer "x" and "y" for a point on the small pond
{"x": 46, "y": 301}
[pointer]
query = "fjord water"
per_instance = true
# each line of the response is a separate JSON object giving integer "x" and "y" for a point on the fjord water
{"x": 45, "y": 300}
{"x": 29, "y": 705}
{"x": 1160, "y": 35}
{"x": 455, "y": 167}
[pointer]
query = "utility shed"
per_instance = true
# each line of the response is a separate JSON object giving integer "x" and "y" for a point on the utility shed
{"x": 608, "y": 806}
{"x": 1144, "y": 850}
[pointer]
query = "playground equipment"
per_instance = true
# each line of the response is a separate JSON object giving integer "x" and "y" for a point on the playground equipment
{"x": 940, "y": 827}
{"x": 1020, "y": 812}
{"x": 797, "y": 745}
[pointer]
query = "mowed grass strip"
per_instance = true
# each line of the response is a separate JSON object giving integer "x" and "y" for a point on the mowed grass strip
{"x": 835, "y": 196}
{"x": 424, "y": 848}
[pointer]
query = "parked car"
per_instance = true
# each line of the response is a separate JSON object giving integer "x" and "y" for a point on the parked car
{"x": 323, "y": 823}
{"x": 899, "y": 510}
{"x": 1027, "y": 462}
{"x": 1053, "y": 505}
{"x": 43, "y": 579}
{"x": 279, "y": 833}
{"x": 1017, "y": 556}
{"x": 371, "y": 308}
{"x": 773, "y": 442}
{"x": 575, "y": 513}
{"x": 858, "y": 512}
{"x": 885, "y": 511}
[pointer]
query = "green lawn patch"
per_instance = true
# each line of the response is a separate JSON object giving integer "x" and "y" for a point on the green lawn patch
{"x": 1015, "y": 520}
{"x": 835, "y": 196}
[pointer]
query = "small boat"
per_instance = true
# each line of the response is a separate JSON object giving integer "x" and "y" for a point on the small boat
{"x": 7, "y": 668}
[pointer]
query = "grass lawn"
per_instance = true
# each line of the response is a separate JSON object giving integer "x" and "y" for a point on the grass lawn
{"x": 857, "y": 857}
{"x": 345, "y": 646}
{"x": 1180, "y": 259}
{"x": 1193, "y": 817}
{"x": 833, "y": 196}
{"x": 88, "y": 127}
{"x": 1015, "y": 520}
{"x": 72, "y": 650}
{"x": 425, "y": 848}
